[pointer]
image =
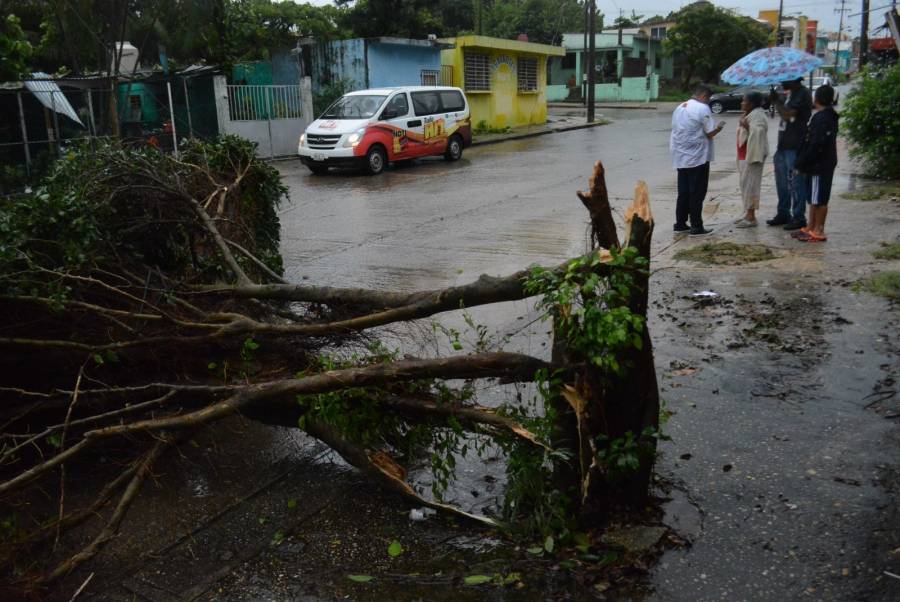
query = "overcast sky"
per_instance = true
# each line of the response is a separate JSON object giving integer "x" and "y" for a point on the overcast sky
{"x": 823, "y": 10}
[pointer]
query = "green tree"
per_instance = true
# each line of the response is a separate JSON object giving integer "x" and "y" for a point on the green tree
{"x": 626, "y": 22}
{"x": 542, "y": 21}
{"x": 872, "y": 122}
{"x": 15, "y": 49}
{"x": 708, "y": 39}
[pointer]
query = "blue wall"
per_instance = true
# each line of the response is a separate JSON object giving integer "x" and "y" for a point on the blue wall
{"x": 399, "y": 65}
{"x": 339, "y": 60}
{"x": 373, "y": 64}
{"x": 285, "y": 70}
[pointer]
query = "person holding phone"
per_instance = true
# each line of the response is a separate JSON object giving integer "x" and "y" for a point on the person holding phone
{"x": 691, "y": 146}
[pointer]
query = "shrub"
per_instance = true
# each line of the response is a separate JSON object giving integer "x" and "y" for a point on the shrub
{"x": 329, "y": 94}
{"x": 871, "y": 121}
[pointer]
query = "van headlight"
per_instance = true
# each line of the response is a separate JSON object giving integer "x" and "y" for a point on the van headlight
{"x": 354, "y": 138}
{"x": 303, "y": 139}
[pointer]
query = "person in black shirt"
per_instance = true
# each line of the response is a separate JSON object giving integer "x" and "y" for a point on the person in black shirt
{"x": 795, "y": 113}
{"x": 816, "y": 161}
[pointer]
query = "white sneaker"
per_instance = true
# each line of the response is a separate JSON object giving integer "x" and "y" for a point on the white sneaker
{"x": 745, "y": 223}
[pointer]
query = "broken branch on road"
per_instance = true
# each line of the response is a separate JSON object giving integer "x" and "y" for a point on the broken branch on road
{"x": 161, "y": 295}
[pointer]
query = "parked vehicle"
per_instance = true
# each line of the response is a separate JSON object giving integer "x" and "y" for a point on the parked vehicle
{"x": 370, "y": 128}
{"x": 821, "y": 81}
{"x": 731, "y": 100}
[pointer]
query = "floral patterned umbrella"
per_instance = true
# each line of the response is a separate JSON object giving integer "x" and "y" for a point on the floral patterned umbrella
{"x": 771, "y": 66}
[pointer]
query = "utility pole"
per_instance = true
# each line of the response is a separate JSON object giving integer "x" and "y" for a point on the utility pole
{"x": 837, "y": 51}
{"x": 584, "y": 45}
{"x": 778, "y": 27}
{"x": 864, "y": 35}
{"x": 592, "y": 60}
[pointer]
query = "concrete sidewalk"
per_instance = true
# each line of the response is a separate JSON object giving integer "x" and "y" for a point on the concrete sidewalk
{"x": 555, "y": 125}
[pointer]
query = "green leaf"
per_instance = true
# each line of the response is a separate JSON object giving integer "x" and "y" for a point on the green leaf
{"x": 457, "y": 346}
{"x": 477, "y": 580}
{"x": 292, "y": 504}
{"x": 549, "y": 544}
{"x": 395, "y": 549}
{"x": 360, "y": 578}
{"x": 277, "y": 538}
{"x": 212, "y": 365}
{"x": 537, "y": 550}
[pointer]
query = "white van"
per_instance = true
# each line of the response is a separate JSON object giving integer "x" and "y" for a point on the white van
{"x": 370, "y": 128}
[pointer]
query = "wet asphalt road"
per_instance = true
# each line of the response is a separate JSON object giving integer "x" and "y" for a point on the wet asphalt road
{"x": 766, "y": 439}
{"x": 435, "y": 223}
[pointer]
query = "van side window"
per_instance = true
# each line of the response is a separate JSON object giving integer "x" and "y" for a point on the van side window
{"x": 452, "y": 101}
{"x": 398, "y": 105}
{"x": 426, "y": 103}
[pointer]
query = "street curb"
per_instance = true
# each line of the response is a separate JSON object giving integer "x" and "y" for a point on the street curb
{"x": 570, "y": 128}
{"x": 632, "y": 107}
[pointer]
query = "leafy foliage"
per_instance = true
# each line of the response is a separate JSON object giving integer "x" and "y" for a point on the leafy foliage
{"x": 74, "y": 36}
{"x": 872, "y": 122}
{"x": 15, "y": 49}
{"x": 542, "y": 20}
{"x": 590, "y": 312}
{"x": 709, "y": 39}
{"x": 111, "y": 206}
{"x": 364, "y": 416}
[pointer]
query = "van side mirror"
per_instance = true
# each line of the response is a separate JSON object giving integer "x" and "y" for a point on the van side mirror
{"x": 389, "y": 114}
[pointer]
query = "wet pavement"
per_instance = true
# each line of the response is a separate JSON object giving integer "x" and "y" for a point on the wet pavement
{"x": 782, "y": 472}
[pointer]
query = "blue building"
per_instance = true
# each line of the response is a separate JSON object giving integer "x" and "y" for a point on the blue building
{"x": 363, "y": 63}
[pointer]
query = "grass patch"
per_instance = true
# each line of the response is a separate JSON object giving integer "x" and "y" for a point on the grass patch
{"x": 885, "y": 284}
{"x": 888, "y": 250}
{"x": 725, "y": 253}
{"x": 874, "y": 193}
{"x": 482, "y": 128}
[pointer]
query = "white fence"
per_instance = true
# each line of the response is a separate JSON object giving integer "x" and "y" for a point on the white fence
{"x": 272, "y": 116}
{"x": 256, "y": 103}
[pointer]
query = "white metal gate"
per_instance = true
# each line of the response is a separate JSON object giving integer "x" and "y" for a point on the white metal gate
{"x": 272, "y": 116}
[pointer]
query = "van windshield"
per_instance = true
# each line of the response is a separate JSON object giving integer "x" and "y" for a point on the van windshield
{"x": 354, "y": 107}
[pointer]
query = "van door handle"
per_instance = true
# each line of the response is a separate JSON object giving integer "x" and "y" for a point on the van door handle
{"x": 414, "y": 123}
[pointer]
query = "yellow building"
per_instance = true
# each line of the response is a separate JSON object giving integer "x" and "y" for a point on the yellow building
{"x": 504, "y": 80}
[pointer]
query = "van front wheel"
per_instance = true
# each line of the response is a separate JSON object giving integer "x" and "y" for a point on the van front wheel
{"x": 376, "y": 160}
{"x": 454, "y": 149}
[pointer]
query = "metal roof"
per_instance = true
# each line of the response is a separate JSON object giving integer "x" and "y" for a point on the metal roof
{"x": 49, "y": 95}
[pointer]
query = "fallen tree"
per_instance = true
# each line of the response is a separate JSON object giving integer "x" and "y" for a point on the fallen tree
{"x": 145, "y": 302}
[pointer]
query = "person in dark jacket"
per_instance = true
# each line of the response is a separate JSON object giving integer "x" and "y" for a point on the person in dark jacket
{"x": 816, "y": 161}
{"x": 794, "y": 114}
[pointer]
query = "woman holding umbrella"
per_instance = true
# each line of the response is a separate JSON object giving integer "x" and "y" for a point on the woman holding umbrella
{"x": 786, "y": 65}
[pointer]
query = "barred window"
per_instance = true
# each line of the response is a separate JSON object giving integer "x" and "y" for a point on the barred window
{"x": 430, "y": 77}
{"x": 477, "y": 72}
{"x": 528, "y": 75}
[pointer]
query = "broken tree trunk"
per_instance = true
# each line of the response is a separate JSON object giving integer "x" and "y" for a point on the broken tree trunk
{"x": 603, "y": 413}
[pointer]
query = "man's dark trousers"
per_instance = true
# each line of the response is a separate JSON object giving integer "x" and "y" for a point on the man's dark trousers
{"x": 692, "y": 183}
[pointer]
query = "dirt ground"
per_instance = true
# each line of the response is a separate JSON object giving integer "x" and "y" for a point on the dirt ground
{"x": 781, "y": 480}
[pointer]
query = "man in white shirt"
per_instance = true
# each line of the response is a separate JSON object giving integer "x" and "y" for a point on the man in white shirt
{"x": 691, "y": 145}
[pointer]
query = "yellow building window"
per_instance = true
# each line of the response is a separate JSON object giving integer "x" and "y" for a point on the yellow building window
{"x": 477, "y": 72}
{"x": 528, "y": 75}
